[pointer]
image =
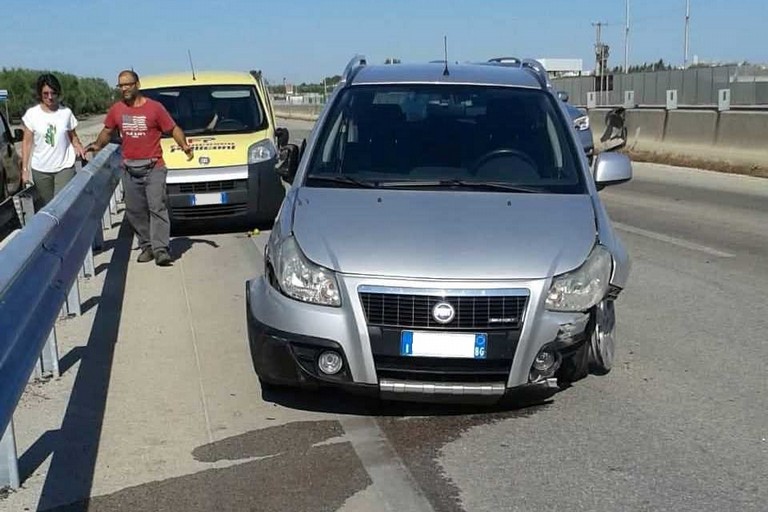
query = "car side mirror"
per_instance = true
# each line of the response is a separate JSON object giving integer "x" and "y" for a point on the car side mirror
{"x": 563, "y": 96}
{"x": 288, "y": 162}
{"x": 18, "y": 135}
{"x": 612, "y": 169}
{"x": 283, "y": 136}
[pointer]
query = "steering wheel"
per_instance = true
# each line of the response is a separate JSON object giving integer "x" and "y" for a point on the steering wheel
{"x": 229, "y": 124}
{"x": 500, "y": 153}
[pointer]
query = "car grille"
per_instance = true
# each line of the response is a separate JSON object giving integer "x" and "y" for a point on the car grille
{"x": 211, "y": 186}
{"x": 209, "y": 211}
{"x": 472, "y": 312}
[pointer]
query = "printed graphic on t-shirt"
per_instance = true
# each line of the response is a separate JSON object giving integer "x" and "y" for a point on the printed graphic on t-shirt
{"x": 50, "y": 134}
{"x": 134, "y": 126}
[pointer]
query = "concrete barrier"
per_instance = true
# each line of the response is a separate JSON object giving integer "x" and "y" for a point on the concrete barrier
{"x": 645, "y": 128}
{"x": 743, "y": 130}
{"x": 691, "y": 127}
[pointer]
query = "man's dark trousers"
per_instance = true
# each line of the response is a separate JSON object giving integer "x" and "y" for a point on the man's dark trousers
{"x": 146, "y": 208}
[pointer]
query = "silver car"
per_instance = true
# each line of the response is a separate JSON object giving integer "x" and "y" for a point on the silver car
{"x": 442, "y": 238}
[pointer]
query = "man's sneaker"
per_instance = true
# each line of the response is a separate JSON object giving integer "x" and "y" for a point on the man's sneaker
{"x": 145, "y": 255}
{"x": 162, "y": 258}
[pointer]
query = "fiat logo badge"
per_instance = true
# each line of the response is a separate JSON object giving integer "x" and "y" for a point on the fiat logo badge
{"x": 443, "y": 312}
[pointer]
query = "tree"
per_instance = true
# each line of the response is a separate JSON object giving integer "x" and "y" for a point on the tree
{"x": 82, "y": 95}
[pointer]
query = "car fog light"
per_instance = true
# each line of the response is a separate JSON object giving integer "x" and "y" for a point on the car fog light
{"x": 545, "y": 361}
{"x": 330, "y": 362}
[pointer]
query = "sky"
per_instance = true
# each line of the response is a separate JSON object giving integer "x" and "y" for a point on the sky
{"x": 305, "y": 40}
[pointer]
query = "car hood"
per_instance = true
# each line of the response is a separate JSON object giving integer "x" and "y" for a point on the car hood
{"x": 444, "y": 234}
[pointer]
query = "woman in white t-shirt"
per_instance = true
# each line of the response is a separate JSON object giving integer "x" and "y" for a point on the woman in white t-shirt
{"x": 50, "y": 144}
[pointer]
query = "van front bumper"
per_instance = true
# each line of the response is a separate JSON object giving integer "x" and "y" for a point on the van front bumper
{"x": 250, "y": 192}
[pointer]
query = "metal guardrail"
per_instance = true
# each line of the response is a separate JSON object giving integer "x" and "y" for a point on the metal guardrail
{"x": 39, "y": 267}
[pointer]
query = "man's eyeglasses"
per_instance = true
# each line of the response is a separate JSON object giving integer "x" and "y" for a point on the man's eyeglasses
{"x": 126, "y": 85}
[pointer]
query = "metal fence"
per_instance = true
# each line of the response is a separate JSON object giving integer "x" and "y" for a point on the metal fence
{"x": 695, "y": 87}
{"x": 39, "y": 274}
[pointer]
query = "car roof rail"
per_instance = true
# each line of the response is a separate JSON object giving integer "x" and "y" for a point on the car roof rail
{"x": 539, "y": 71}
{"x": 354, "y": 65}
{"x": 533, "y": 66}
{"x": 505, "y": 60}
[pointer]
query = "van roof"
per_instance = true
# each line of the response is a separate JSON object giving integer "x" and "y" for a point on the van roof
{"x": 201, "y": 78}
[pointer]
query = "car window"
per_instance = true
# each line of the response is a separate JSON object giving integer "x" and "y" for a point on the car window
{"x": 212, "y": 109}
{"x": 414, "y": 133}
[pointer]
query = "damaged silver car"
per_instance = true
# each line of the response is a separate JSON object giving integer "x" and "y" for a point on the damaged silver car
{"x": 442, "y": 237}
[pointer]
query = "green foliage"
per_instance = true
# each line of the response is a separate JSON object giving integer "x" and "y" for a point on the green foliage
{"x": 330, "y": 83}
{"x": 646, "y": 66}
{"x": 82, "y": 95}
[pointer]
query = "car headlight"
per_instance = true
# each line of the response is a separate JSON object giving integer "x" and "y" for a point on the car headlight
{"x": 262, "y": 152}
{"x": 301, "y": 279}
{"x": 581, "y": 123}
{"x": 584, "y": 287}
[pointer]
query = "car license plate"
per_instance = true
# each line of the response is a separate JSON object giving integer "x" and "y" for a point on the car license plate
{"x": 210, "y": 198}
{"x": 443, "y": 344}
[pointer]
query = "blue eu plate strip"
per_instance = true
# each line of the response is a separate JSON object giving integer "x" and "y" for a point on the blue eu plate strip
{"x": 406, "y": 343}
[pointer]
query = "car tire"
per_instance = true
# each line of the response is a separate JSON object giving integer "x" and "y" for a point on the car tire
{"x": 602, "y": 341}
{"x": 575, "y": 366}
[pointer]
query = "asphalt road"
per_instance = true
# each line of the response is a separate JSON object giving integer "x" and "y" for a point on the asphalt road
{"x": 680, "y": 423}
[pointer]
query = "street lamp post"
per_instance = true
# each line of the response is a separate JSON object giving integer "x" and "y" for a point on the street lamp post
{"x": 687, "y": 23}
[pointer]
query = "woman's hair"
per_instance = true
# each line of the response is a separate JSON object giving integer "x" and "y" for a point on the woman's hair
{"x": 49, "y": 80}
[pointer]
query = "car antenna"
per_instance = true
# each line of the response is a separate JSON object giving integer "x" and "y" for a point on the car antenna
{"x": 189, "y": 52}
{"x": 445, "y": 50}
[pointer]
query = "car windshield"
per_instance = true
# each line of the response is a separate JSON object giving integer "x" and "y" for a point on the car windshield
{"x": 446, "y": 136}
{"x": 212, "y": 109}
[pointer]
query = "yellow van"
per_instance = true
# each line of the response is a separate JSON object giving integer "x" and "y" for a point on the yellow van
{"x": 229, "y": 121}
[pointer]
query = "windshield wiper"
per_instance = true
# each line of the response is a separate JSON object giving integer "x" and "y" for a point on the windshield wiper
{"x": 486, "y": 185}
{"x": 343, "y": 179}
{"x": 199, "y": 131}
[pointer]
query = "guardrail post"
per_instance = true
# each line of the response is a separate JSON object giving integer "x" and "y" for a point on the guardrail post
{"x": 48, "y": 364}
{"x": 27, "y": 208}
{"x": 9, "y": 463}
{"x": 73, "y": 300}
{"x": 106, "y": 219}
{"x": 89, "y": 269}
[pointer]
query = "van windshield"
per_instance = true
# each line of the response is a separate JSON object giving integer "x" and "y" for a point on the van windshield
{"x": 423, "y": 135}
{"x": 212, "y": 109}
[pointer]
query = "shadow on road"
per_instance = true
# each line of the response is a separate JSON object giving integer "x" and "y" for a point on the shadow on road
{"x": 75, "y": 446}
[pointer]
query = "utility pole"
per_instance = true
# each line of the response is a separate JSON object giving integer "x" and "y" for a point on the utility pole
{"x": 687, "y": 23}
{"x": 600, "y": 57}
{"x": 626, "y": 39}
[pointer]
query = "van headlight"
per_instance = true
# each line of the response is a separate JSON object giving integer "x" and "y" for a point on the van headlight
{"x": 301, "y": 279}
{"x": 581, "y": 123}
{"x": 580, "y": 289}
{"x": 261, "y": 152}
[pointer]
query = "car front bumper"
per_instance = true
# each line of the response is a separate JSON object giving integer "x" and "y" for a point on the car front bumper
{"x": 286, "y": 337}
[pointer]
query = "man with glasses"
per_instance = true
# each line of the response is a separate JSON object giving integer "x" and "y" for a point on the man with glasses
{"x": 141, "y": 122}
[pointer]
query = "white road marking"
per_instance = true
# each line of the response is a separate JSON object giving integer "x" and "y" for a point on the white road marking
{"x": 672, "y": 240}
{"x": 392, "y": 481}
